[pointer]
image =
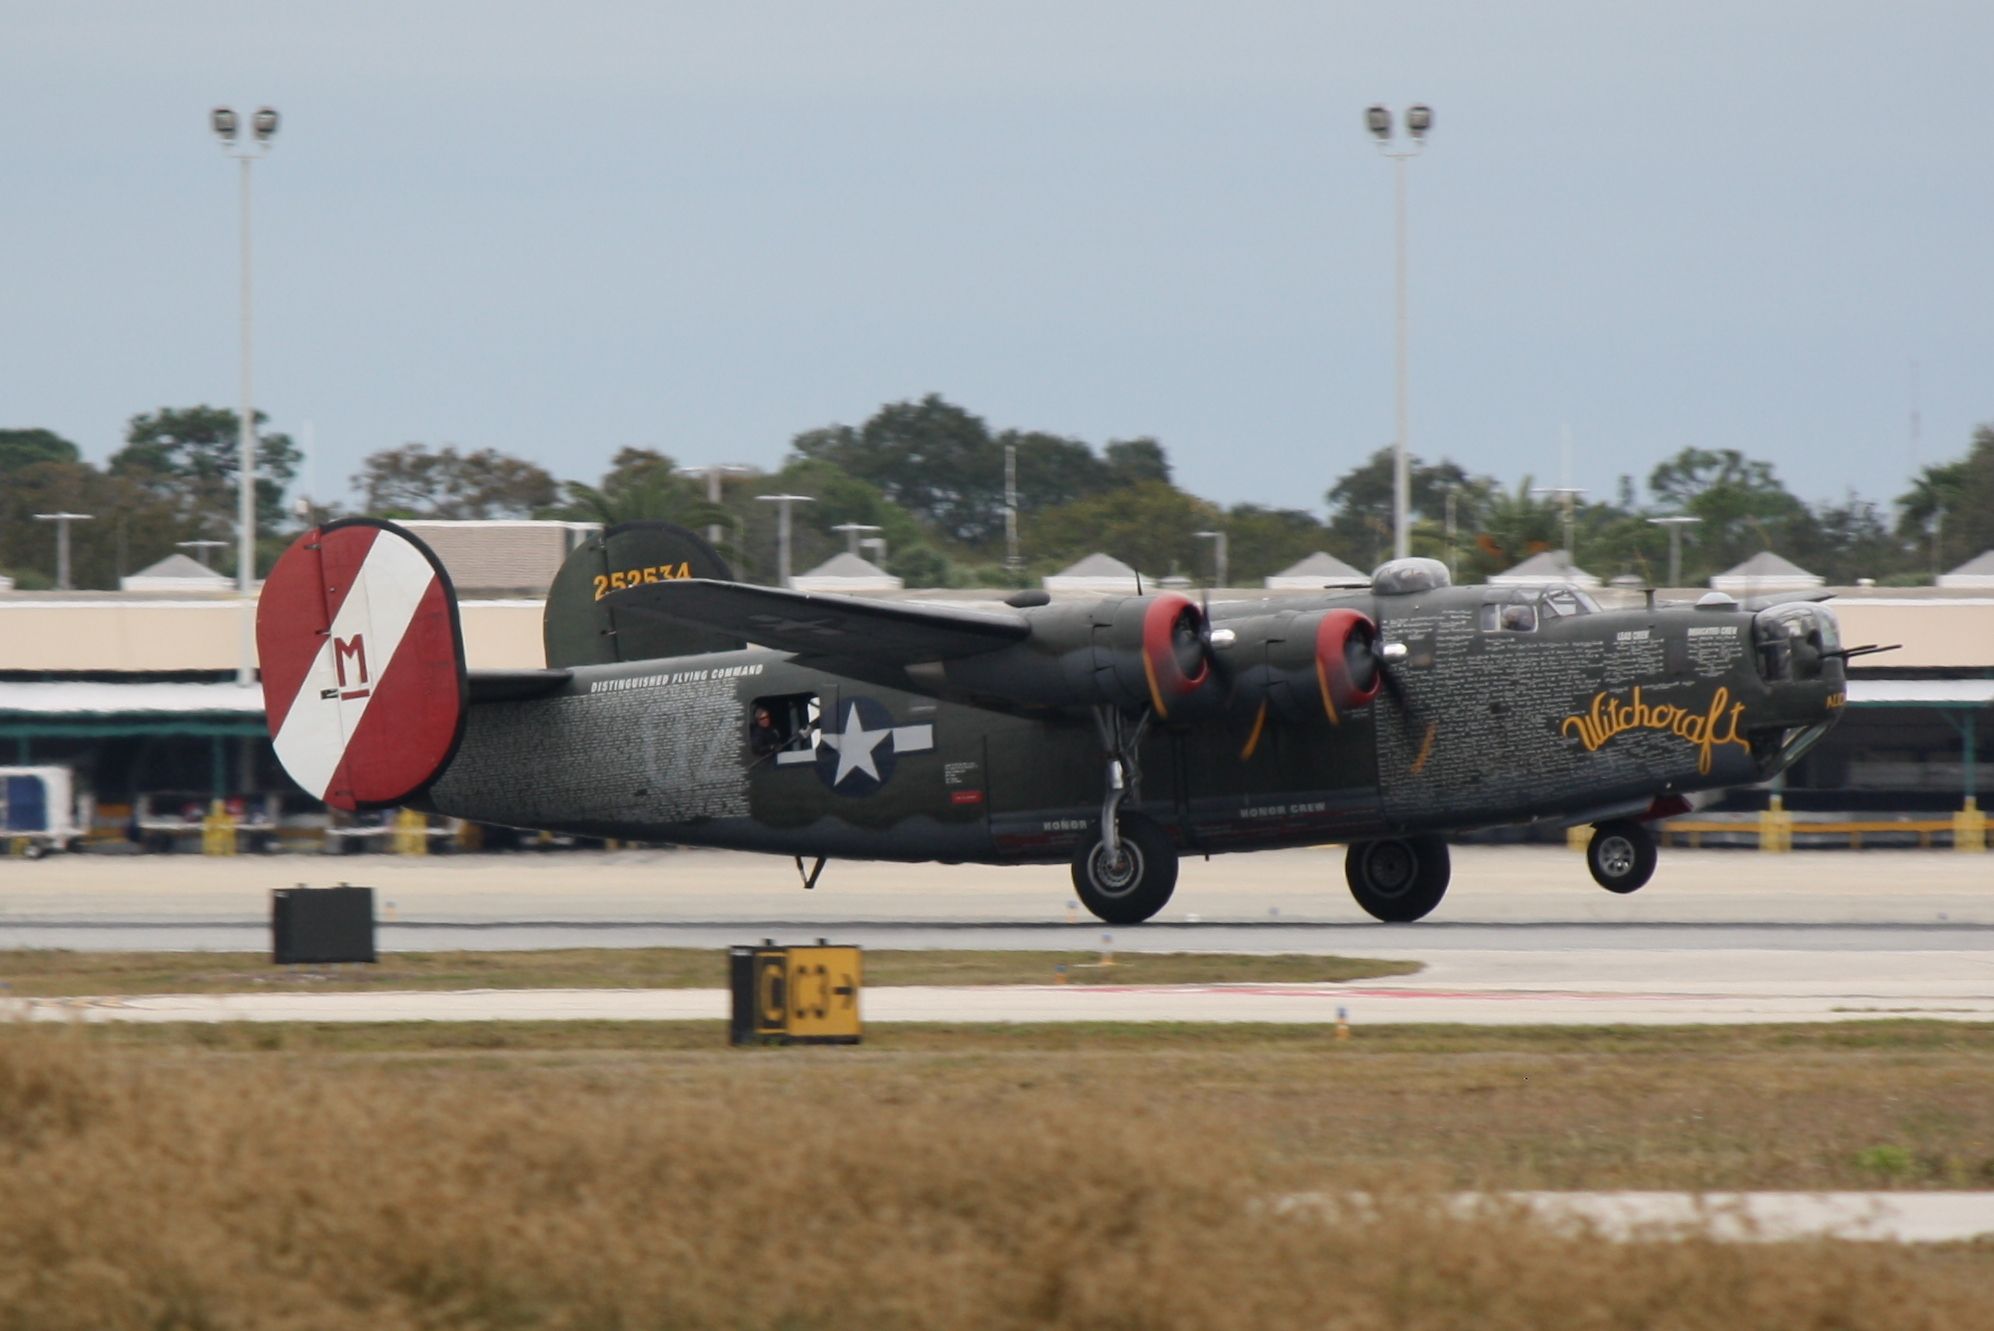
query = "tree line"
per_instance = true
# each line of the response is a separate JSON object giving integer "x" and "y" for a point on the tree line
{"x": 930, "y": 477}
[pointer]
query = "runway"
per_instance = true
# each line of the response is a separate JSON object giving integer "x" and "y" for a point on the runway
{"x": 1524, "y": 937}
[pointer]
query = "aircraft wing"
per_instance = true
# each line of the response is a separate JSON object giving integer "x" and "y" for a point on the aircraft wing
{"x": 825, "y": 624}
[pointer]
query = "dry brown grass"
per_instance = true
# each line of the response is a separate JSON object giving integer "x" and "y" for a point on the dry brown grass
{"x": 257, "y": 1178}
{"x": 59, "y": 973}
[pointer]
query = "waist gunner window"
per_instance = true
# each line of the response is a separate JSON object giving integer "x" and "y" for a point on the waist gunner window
{"x": 783, "y": 722}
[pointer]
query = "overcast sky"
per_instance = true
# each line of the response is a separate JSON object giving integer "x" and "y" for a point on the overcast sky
{"x": 560, "y": 229}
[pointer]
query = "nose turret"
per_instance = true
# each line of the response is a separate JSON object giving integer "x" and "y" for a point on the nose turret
{"x": 1798, "y": 646}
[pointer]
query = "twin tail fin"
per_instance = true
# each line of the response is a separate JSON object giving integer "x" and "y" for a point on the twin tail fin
{"x": 364, "y": 687}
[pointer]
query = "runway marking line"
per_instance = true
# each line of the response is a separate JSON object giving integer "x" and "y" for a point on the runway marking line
{"x": 1309, "y": 991}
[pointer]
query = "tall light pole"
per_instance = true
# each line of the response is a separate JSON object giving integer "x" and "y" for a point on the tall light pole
{"x": 1453, "y": 495}
{"x": 852, "y": 531}
{"x": 246, "y": 149}
{"x": 1217, "y": 538}
{"x": 1566, "y": 494}
{"x": 1013, "y": 563}
{"x": 62, "y": 521}
{"x": 713, "y": 471}
{"x": 782, "y": 531}
{"x": 1675, "y": 526}
{"x": 1418, "y": 120}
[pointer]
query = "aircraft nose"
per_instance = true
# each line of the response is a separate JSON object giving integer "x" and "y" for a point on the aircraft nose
{"x": 1799, "y": 650}
{"x": 1809, "y": 702}
{"x": 1797, "y": 642}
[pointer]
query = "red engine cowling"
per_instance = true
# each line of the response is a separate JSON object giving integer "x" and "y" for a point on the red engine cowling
{"x": 1171, "y": 652}
{"x": 1322, "y": 665}
{"x": 1346, "y": 670}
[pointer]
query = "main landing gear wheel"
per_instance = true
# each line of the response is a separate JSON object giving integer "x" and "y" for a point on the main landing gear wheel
{"x": 1621, "y": 855}
{"x": 1400, "y": 879}
{"x": 1132, "y": 883}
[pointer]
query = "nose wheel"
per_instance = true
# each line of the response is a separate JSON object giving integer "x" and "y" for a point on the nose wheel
{"x": 1621, "y": 855}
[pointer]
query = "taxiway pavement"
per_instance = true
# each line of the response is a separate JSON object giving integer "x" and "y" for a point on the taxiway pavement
{"x": 1523, "y": 936}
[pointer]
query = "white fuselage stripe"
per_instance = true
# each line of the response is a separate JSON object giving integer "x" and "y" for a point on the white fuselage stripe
{"x": 325, "y": 715}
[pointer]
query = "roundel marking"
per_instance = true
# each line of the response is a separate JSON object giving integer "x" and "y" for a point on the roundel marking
{"x": 860, "y": 747}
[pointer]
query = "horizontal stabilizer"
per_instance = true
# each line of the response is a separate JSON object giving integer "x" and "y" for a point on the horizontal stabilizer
{"x": 823, "y": 624}
{"x": 515, "y": 685}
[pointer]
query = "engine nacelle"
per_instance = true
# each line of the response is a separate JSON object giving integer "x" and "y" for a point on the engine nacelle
{"x": 1307, "y": 664}
{"x": 1169, "y": 664}
{"x": 1132, "y": 652}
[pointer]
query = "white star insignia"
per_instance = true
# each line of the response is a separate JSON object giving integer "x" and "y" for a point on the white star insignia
{"x": 855, "y": 747}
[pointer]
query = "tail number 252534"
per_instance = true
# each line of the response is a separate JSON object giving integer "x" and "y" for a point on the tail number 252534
{"x": 616, "y": 582}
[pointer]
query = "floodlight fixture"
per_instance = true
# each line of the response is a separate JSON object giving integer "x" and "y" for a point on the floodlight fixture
{"x": 1675, "y": 527}
{"x": 205, "y": 547}
{"x": 222, "y": 119}
{"x": 1379, "y": 121}
{"x": 1419, "y": 119}
{"x": 713, "y": 471}
{"x": 852, "y": 531}
{"x": 266, "y": 123}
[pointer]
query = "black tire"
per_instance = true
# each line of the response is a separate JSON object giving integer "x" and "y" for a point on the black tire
{"x": 1398, "y": 879}
{"x": 1621, "y": 855}
{"x": 1139, "y": 886}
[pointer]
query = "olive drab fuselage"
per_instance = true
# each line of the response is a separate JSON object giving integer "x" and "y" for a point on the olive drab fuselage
{"x": 1498, "y": 706}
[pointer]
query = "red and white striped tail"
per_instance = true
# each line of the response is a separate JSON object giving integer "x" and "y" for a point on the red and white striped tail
{"x": 363, "y": 663}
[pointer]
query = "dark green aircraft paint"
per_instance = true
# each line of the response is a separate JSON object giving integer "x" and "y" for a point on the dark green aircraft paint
{"x": 1022, "y": 732}
{"x": 1581, "y": 714}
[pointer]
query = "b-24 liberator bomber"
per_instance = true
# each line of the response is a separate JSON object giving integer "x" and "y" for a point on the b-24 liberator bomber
{"x": 1117, "y": 733}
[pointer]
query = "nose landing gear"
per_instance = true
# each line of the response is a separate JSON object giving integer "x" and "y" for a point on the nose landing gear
{"x": 1621, "y": 855}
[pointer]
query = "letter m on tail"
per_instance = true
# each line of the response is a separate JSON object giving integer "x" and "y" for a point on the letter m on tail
{"x": 352, "y": 649}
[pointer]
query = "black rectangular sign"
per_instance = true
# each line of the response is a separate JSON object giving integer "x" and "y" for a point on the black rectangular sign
{"x": 321, "y": 924}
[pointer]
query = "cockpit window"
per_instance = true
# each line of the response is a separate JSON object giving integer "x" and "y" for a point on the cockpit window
{"x": 1566, "y": 601}
{"x": 1523, "y": 609}
{"x": 1516, "y": 613}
